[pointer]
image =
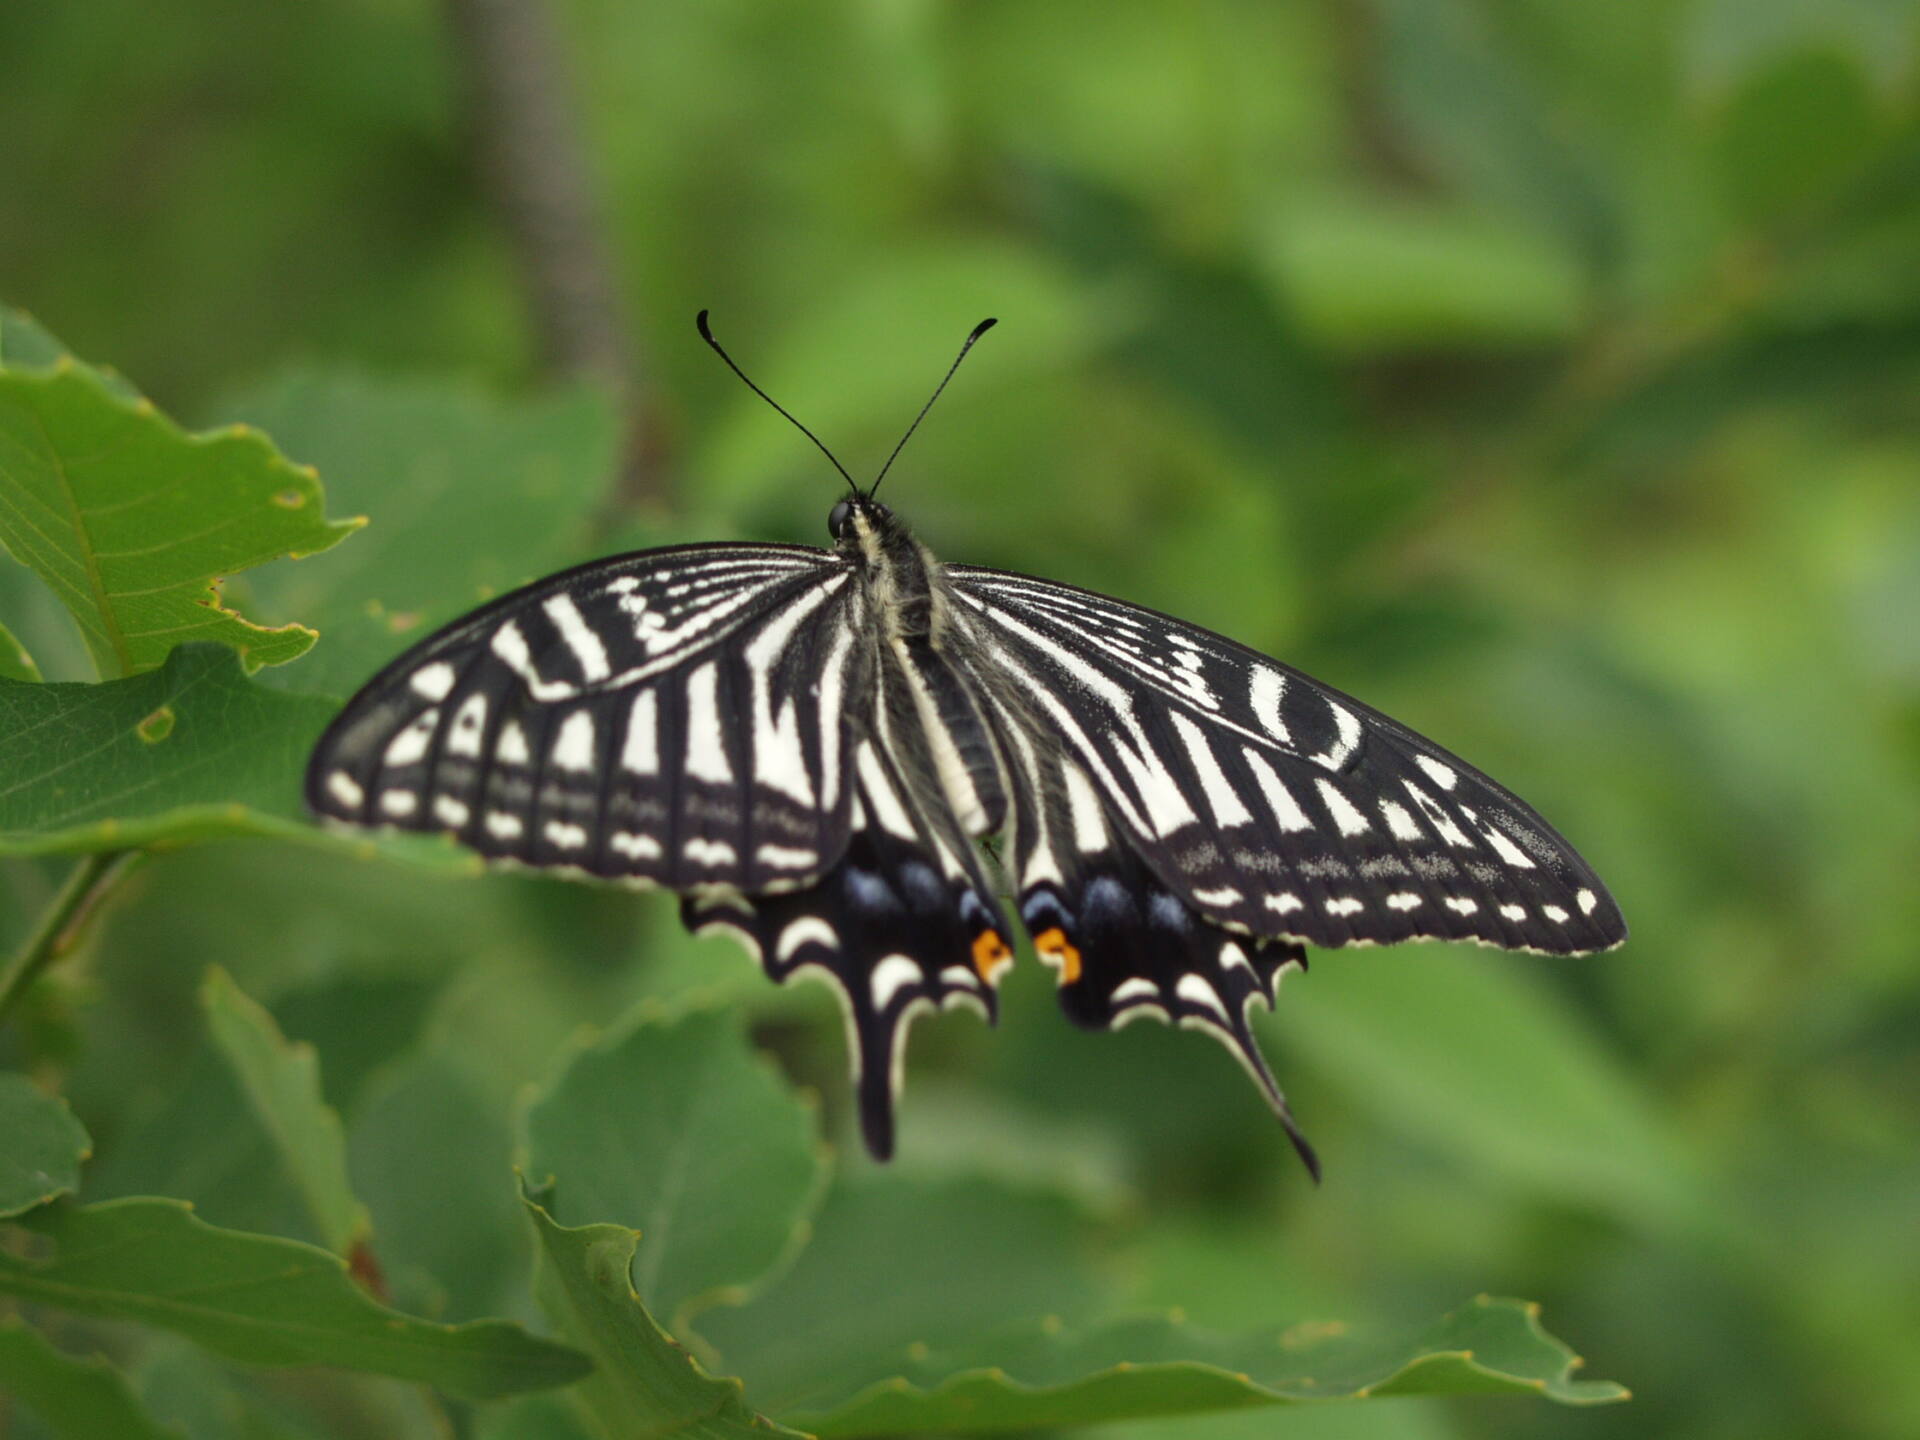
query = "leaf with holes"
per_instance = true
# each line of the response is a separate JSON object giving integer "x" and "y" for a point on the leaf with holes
{"x": 262, "y": 1300}
{"x": 191, "y": 751}
{"x": 132, "y": 521}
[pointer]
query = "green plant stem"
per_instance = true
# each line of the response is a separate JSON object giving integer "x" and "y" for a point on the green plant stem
{"x": 60, "y": 925}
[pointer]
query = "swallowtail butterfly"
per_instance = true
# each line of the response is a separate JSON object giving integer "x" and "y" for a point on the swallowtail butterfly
{"x": 811, "y": 745}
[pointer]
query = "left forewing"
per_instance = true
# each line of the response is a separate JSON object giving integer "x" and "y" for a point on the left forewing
{"x": 674, "y": 717}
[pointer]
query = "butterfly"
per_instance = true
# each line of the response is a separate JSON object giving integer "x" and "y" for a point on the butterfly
{"x": 811, "y": 746}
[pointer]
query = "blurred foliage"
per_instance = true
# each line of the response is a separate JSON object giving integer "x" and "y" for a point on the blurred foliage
{"x": 1546, "y": 375}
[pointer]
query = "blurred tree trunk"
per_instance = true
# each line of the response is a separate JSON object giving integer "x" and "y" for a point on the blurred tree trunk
{"x": 520, "y": 104}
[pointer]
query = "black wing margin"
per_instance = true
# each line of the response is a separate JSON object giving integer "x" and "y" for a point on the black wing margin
{"x": 1270, "y": 803}
{"x": 672, "y": 717}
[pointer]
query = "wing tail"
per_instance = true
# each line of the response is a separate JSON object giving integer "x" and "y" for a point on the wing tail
{"x": 903, "y": 926}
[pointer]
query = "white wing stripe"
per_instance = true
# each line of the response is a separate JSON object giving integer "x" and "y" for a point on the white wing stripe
{"x": 778, "y": 759}
{"x": 468, "y": 723}
{"x": 574, "y": 749}
{"x": 641, "y": 753}
{"x": 1089, "y": 824}
{"x": 888, "y": 810}
{"x": 1347, "y": 724}
{"x": 1438, "y": 818}
{"x": 706, "y": 754}
{"x": 1221, "y": 797}
{"x": 1287, "y": 813}
{"x": 579, "y": 637}
{"x": 1266, "y": 690}
{"x": 1042, "y": 865}
{"x": 1166, "y": 806}
{"x": 1345, "y": 815}
{"x": 832, "y": 724}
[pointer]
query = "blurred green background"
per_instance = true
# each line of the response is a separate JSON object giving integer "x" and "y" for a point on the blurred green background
{"x": 1546, "y": 375}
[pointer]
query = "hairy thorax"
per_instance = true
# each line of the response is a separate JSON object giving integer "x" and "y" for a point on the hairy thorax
{"x": 904, "y": 586}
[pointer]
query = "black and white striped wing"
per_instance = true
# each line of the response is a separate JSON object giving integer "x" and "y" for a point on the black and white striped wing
{"x": 907, "y": 923}
{"x": 673, "y": 717}
{"x": 1266, "y": 801}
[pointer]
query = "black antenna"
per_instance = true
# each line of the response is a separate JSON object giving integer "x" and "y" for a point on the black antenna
{"x": 966, "y": 345}
{"x": 707, "y": 335}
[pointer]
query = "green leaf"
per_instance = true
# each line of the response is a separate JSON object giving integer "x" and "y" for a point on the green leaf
{"x": 433, "y": 1153}
{"x": 76, "y": 1399}
{"x": 1367, "y": 274}
{"x": 39, "y": 623}
{"x": 645, "y": 1385}
{"x": 25, "y": 344}
{"x": 44, "y": 1145}
{"x": 536, "y": 1417}
{"x": 1726, "y": 41}
{"x": 468, "y": 495}
{"x": 892, "y": 1263}
{"x": 263, "y": 1301}
{"x": 674, "y": 1125}
{"x": 1042, "y": 1374}
{"x": 15, "y": 662}
{"x": 1469, "y": 1052}
{"x": 281, "y": 1084}
{"x": 188, "y": 1388}
{"x": 133, "y": 521}
{"x": 191, "y": 751}
{"x": 1795, "y": 132}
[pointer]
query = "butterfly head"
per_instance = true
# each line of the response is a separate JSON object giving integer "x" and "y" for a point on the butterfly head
{"x": 856, "y": 517}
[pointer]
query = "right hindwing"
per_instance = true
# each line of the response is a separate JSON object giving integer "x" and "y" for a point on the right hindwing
{"x": 674, "y": 717}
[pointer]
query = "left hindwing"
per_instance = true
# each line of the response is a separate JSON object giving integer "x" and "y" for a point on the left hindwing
{"x": 675, "y": 717}
{"x": 1267, "y": 801}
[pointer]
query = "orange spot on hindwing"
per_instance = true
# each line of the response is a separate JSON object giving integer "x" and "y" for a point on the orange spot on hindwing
{"x": 1054, "y": 947}
{"x": 990, "y": 956}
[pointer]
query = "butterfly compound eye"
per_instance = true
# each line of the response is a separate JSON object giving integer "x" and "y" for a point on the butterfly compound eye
{"x": 837, "y": 518}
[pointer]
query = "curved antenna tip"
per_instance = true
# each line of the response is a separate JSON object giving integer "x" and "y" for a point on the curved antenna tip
{"x": 706, "y": 334}
{"x": 965, "y": 345}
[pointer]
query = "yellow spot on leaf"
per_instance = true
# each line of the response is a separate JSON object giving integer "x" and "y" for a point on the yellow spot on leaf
{"x": 289, "y": 499}
{"x": 402, "y": 621}
{"x": 157, "y": 726}
{"x": 1054, "y": 947}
